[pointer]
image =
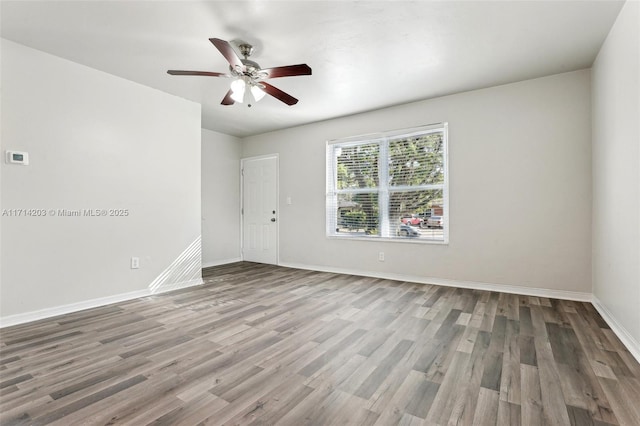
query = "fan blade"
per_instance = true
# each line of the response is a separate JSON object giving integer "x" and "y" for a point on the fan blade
{"x": 205, "y": 73}
{"x": 288, "y": 71}
{"x": 227, "y": 51}
{"x": 279, "y": 94}
{"x": 228, "y": 100}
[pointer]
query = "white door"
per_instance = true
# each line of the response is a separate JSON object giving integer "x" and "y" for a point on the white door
{"x": 260, "y": 209}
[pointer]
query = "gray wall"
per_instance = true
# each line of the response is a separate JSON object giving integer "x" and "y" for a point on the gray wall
{"x": 520, "y": 189}
{"x": 95, "y": 142}
{"x": 220, "y": 198}
{"x": 616, "y": 174}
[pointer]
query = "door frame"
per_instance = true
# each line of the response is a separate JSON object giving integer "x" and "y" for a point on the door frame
{"x": 242, "y": 162}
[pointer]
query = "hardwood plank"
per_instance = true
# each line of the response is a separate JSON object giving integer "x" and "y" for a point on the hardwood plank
{"x": 509, "y": 414}
{"x": 580, "y": 386}
{"x": 436, "y": 362}
{"x": 58, "y": 414}
{"x": 531, "y": 397}
{"x": 486, "y": 413}
{"x": 97, "y": 377}
{"x": 414, "y": 397}
{"x": 371, "y": 383}
{"x": 281, "y": 401}
{"x": 552, "y": 397}
{"x": 127, "y": 402}
{"x": 443, "y": 403}
{"x": 623, "y": 396}
{"x": 373, "y": 341}
{"x": 465, "y": 400}
{"x": 492, "y": 373}
{"x": 331, "y": 353}
{"x": 527, "y": 351}
{"x": 185, "y": 413}
{"x": 579, "y": 416}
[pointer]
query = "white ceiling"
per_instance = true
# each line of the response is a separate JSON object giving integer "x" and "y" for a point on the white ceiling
{"x": 365, "y": 55}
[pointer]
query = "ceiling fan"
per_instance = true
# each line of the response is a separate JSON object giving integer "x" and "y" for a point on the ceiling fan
{"x": 248, "y": 85}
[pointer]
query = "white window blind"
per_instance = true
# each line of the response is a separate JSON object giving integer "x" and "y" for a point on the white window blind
{"x": 389, "y": 185}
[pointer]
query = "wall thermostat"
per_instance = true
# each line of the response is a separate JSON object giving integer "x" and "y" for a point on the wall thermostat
{"x": 18, "y": 157}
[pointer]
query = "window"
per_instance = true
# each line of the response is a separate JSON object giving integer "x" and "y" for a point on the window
{"x": 390, "y": 185}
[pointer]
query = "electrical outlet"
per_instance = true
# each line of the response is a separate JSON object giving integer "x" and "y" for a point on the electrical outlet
{"x": 135, "y": 262}
{"x": 381, "y": 256}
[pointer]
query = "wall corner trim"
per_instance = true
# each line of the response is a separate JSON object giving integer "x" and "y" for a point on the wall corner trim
{"x": 26, "y": 317}
{"x": 625, "y": 337}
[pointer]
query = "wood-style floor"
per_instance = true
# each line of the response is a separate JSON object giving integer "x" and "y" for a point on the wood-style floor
{"x": 264, "y": 345}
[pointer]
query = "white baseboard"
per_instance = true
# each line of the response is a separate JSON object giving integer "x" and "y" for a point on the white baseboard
{"x": 221, "y": 262}
{"x": 89, "y": 304}
{"x": 625, "y": 337}
{"x": 475, "y": 285}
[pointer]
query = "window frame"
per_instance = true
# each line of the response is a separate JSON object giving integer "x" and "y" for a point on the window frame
{"x": 383, "y": 189}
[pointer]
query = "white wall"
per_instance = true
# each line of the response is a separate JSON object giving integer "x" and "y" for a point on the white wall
{"x": 616, "y": 175}
{"x": 520, "y": 188}
{"x": 220, "y": 198}
{"x": 95, "y": 141}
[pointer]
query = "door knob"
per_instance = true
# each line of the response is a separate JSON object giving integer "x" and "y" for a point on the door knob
{"x": 273, "y": 219}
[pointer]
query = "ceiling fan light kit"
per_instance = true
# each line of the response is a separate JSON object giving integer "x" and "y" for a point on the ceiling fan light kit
{"x": 240, "y": 94}
{"x": 248, "y": 86}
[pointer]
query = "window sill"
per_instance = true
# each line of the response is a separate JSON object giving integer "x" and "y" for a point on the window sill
{"x": 401, "y": 240}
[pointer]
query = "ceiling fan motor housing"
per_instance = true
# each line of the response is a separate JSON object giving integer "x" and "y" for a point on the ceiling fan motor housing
{"x": 251, "y": 68}
{"x": 245, "y": 49}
